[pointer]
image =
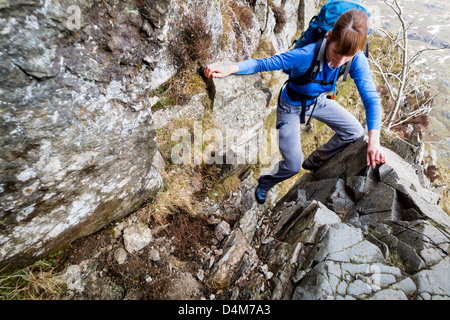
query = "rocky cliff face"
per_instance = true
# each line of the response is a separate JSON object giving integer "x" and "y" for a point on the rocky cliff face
{"x": 78, "y": 139}
{"x": 78, "y": 134}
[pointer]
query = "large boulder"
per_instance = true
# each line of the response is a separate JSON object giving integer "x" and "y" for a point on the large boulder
{"x": 78, "y": 134}
{"x": 78, "y": 140}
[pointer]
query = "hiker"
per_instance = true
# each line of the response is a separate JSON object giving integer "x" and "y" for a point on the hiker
{"x": 343, "y": 43}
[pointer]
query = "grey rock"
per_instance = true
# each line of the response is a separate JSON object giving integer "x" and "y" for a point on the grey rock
{"x": 155, "y": 10}
{"x": 78, "y": 140}
{"x": 384, "y": 233}
{"x": 342, "y": 242}
{"x": 339, "y": 201}
{"x": 400, "y": 174}
{"x": 262, "y": 14}
{"x": 313, "y": 288}
{"x": 426, "y": 208}
{"x": 240, "y": 134}
{"x": 193, "y": 109}
{"x": 283, "y": 39}
{"x": 358, "y": 289}
{"x": 406, "y": 285}
{"x": 411, "y": 153}
{"x": 434, "y": 281}
{"x": 72, "y": 277}
{"x": 222, "y": 230}
{"x": 136, "y": 237}
{"x": 350, "y": 160}
{"x": 307, "y": 9}
{"x": 389, "y": 294}
{"x": 234, "y": 249}
{"x": 336, "y": 260}
{"x": 431, "y": 256}
{"x": 380, "y": 204}
{"x": 86, "y": 282}
{"x": 303, "y": 223}
{"x": 120, "y": 255}
{"x": 381, "y": 245}
{"x": 384, "y": 280}
{"x": 154, "y": 255}
{"x": 248, "y": 224}
{"x": 359, "y": 186}
{"x": 419, "y": 243}
{"x": 330, "y": 192}
{"x": 340, "y": 255}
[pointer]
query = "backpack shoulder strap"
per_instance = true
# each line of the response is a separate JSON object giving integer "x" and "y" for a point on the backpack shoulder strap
{"x": 321, "y": 56}
{"x": 316, "y": 65}
{"x": 347, "y": 69}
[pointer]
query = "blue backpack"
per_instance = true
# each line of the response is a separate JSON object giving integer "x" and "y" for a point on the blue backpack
{"x": 324, "y": 21}
{"x": 316, "y": 33}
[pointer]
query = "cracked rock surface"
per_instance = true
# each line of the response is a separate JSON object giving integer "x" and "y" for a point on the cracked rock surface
{"x": 350, "y": 232}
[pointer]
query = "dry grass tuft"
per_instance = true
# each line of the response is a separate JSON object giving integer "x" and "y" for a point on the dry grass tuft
{"x": 35, "y": 282}
{"x": 243, "y": 13}
{"x": 279, "y": 15}
{"x": 179, "y": 89}
{"x": 177, "y": 193}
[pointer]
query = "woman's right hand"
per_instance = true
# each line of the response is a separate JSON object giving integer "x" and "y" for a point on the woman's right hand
{"x": 217, "y": 70}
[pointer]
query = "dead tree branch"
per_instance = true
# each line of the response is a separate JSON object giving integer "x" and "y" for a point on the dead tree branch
{"x": 398, "y": 73}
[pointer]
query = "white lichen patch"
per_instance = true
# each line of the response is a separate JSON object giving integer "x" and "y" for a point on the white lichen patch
{"x": 26, "y": 174}
{"x": 25, "y": 213}
{"x": 42, "y": 229}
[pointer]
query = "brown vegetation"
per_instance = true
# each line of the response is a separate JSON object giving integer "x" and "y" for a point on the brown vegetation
{"x": 193, "y": 43}
{"x": 280, "y": 17}
{"x": 244, "y": 14}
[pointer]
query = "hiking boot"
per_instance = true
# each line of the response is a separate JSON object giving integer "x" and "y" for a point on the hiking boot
{"x": 307, "y": 165}
{"x": 260, "y": 195}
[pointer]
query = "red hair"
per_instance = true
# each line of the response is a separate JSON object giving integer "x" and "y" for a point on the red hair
{"x": 350, "y": 32}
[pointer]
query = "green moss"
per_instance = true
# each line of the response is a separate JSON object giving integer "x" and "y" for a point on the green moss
{"x": 395, "y": 260}
{"x": 179, "y": 89}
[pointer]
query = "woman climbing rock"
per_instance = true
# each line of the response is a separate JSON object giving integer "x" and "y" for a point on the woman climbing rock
{"x": 344, "y": 43}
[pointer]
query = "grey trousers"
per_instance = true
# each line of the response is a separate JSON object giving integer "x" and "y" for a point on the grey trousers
{"x": 346, "y": 127}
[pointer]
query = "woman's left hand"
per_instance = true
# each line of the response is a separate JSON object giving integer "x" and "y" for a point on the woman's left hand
{"x": 375, "y": 155}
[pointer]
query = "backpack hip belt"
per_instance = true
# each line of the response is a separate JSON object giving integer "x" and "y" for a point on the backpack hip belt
{"x": 297, "y": 96}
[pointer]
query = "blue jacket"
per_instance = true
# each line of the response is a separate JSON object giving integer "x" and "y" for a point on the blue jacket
{"x": 298, "y": 61}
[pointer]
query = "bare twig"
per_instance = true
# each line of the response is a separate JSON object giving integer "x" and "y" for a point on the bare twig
{"x": 423, "y": 110}
{"x": 396, "y": 78}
